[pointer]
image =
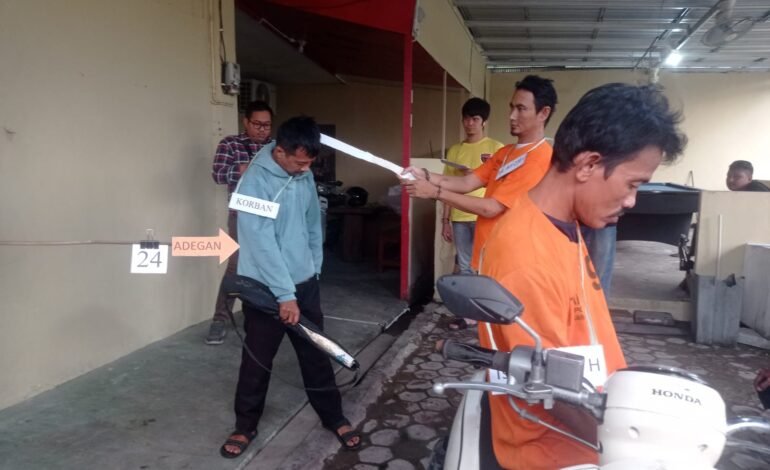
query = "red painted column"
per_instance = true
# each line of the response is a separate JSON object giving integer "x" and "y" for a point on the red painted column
{"x": 406, "y": 157}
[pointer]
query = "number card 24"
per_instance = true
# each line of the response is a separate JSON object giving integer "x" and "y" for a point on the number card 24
{"x": 149, "y": 261}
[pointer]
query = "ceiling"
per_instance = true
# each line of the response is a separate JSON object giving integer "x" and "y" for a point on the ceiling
{"x": 285, "y": 44}
{"x": 558, "y": 34}
{"x": 265, "y": 55}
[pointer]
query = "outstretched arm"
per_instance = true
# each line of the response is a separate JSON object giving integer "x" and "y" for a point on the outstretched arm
{"x": 458, "y": 184}
{"x": 423, "y": 189}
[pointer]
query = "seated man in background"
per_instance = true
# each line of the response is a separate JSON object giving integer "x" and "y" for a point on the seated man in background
{"x": 739, "y": 177}
{"x": 607, "y": 146}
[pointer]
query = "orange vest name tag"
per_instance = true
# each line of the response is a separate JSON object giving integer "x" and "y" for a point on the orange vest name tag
{"x": 511, "y": 166}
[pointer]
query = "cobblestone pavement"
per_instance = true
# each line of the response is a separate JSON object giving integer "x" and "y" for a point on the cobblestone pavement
{"x": 401, "y": 429}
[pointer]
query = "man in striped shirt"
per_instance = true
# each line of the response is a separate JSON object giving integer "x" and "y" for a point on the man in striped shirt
{"x": 233, "y": 155}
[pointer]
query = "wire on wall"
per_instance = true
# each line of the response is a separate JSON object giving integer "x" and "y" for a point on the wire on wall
{"x": 222, "y": 46}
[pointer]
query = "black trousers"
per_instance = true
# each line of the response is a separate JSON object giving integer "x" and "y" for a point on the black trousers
{"x": 263, "y": 336}
{"x": 224, "y": 303}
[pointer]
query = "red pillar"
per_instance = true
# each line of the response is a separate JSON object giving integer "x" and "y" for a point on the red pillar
{"x": 406, "y": 154}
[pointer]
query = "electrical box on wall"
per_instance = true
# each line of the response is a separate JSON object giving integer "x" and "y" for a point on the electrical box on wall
{"x": 231, "y": 78}
{"x": 253, "y": 90}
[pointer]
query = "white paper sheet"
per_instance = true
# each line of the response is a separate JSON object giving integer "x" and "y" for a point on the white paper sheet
{"x": 363, "y": 155}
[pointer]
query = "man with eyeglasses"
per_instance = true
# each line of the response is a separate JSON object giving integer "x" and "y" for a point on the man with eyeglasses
{"x": 233, "y": 155}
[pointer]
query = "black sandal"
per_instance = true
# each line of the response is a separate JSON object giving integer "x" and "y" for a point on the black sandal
{"x": 458, "y": 324}
{"x": 242, "y": 446}
{"x": 346, "y": 436}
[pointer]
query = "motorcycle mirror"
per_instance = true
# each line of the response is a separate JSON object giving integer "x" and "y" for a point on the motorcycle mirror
{"x": 479, "y": 298}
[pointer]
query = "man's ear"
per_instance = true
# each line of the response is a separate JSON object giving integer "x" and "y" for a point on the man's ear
{"x": 544, "y": 113}
{"x": 279, "y": 152}
{"x": 586, "y": 164}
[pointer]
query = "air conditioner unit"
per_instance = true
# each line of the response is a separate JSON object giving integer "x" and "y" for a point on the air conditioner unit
{"x": 253, "y": 90}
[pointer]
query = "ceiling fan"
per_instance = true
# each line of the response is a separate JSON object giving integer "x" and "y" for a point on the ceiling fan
{"x": 728, "y": 29}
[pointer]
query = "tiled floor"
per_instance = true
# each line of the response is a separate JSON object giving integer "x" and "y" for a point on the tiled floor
{"x": 401, "y": 429}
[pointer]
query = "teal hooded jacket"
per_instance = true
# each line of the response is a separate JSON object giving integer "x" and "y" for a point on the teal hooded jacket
{"x": 287, "y": 250}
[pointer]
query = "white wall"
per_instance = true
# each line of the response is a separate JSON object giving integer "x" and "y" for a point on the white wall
{"x": 107, "y": 126}
{"x": 444, "y": 36}
{"x": 745, "y": 219}
{"x": 725, "y": 117}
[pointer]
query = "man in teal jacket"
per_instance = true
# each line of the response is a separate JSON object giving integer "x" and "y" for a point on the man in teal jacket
{"x": 281, "y": 247}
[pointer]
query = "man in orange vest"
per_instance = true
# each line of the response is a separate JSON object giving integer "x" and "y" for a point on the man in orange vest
{"x": 607, "y": 146}
{"x": 512, "y": 170}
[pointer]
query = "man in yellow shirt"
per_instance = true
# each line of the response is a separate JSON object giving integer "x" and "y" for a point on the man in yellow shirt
{"x": 458, "y": 226}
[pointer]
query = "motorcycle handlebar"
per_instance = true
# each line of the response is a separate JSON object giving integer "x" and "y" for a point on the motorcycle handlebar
{"x": 499, "y": 360}
{"x": 476, "y": 355}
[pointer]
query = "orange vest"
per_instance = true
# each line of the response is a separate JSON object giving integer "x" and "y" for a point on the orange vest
{"x": 536, "y": 262}
{"x": 506, "y": 189}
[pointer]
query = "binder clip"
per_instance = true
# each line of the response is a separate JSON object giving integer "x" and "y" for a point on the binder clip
{"x": 150, "y": 243}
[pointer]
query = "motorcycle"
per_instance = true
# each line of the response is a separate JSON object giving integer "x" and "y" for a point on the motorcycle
{"x": 648, "y": 417}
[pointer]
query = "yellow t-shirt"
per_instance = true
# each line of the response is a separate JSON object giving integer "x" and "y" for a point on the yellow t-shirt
{"x": 472, "y": 156}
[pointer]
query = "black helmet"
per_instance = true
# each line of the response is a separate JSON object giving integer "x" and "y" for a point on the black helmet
{"x": 357, "y": 196}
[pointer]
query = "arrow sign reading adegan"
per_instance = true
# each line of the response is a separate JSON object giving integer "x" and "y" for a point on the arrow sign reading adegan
{"x": 222, "y": 246}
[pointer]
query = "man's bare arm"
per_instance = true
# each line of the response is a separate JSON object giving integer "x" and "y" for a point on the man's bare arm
{"x": 483, "y": 206}
{"x": 422, "y": 189}
{"x": 458, "y": 184}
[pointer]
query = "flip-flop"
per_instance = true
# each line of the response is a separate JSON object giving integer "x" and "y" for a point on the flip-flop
{"x": 458, "y": 324}
{"x": 242, "y": 446}
{"x": 347, "y": 436}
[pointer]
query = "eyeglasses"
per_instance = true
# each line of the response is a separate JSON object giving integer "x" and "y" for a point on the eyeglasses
{"x": 259, "y": 125}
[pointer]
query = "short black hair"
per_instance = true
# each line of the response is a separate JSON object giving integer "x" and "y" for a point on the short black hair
{"x": 255, "y": 106}
{"x": 476, "y": 107}
{"x": 743, "y": 165}
{"x": 618, "y": 120}
{"x": 543, "y": 91}
{"x": 300, "y": 132}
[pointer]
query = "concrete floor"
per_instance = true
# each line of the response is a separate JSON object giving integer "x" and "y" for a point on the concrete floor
{"x": 169, "y": 405}
{"x": 646, "y": 277}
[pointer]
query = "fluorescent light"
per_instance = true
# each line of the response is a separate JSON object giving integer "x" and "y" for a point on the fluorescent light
{"x": 674, "y": 58}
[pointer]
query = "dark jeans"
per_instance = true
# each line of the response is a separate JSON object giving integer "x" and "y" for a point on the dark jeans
{"x": 263, "y": 336}
{"x": 601, "y": 249}
{"x": 224, "y": 304}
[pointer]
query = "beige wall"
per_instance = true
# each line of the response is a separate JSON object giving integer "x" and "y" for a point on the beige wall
{"x": 725, "y": 117}
{"x": 429, "y": 251}
{"x": 368, "y": 115}
{"x": 745, "y": 219}
{"x": 443, "y": 34}
{"x": 107, "y": 126}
